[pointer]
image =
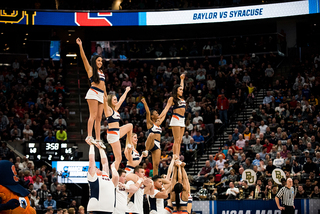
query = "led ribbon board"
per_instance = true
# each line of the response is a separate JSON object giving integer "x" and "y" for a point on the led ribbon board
{"x": 158, "y": 18}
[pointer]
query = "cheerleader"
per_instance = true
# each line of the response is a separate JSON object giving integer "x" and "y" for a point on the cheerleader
{"x": 132, "y": 155}
{"x": 178, "y": 120}
{"x": 115, "y": 132}
{"x": 154, "y": 120}
{"x": 181, "y": 189}
{"x": 100, "y": 183}
{"x": 94, "y": 95}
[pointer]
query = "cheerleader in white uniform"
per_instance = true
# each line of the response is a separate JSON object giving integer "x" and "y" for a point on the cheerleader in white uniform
{"x": 154, "y": 120}
{"x": 135, "y": 204}
{"x": 101, "y": 186}
{"x": 115, "y": 132}
{"x": 94, "y": 95}
{"x": 180, "y": 189}
{"x": 132, "y": 155}
{"x": 122, "y": 191}
{"x": 177, "y": 122}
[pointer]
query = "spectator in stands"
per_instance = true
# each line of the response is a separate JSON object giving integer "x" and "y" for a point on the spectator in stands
{"x": 235, "y": 135}
{"x": 309, "y": 166}
{"x": 163, "y": 168}
{"x": 241, "y": 142}
{"x": 50, "y": 138}
{"x": 204, "y": 172}
{"x": 37, "y": 184}
{"x": 247, "y": 164}
{"x": 61, "y": 135}
{"x": 50, "y": 203}
{"x": 191, "y": 149}
{"x": 301, "y": 193}
{"x": 27, "y": 133}
{"x": 267, "y": 99}
{"x": 223, "y": 106}
{"x": 43, "y": 194}
{"x": 220, "y": 162}
{"x": 232, "y": 192}
{"x": 278, "y": 161}
{"x": 66, "y": 196}
{"x": 216, "y": 157}
{"x": 198, "y": 139}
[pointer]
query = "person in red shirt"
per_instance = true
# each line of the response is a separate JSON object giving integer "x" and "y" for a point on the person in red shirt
{"x": 223, "y": 106}
{"x": 267, "y": 145}
{"x": 37, "y": 175}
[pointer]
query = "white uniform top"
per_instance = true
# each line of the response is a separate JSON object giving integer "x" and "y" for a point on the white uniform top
{"x": 156, "y": 204}
{"x": 135, "y": 204}
{"x": 100, "y": 188}
{"x": 155, "y": 129}
{"x": 121, "y": 200}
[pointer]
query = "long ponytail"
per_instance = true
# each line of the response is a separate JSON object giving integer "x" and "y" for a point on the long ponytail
{"x": 177, "y": 189}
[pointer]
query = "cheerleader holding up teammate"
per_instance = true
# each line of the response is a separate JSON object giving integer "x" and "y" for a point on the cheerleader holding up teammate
{"x": 94, "y": 95}
{"x": 100, "y": 183}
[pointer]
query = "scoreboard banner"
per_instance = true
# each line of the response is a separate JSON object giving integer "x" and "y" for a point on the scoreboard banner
{"x": 158, "y": 18}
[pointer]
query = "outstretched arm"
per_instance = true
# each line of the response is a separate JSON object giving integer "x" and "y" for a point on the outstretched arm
{"x": 185, "y": 180}
{"x": 166, "y": 109}
{"x": 148, "y": 116}
{"x": 182, "y": 81}
{"x": 84, "y": 58}
{"x": 115, "y": 175}
{"x": 122, "y": 98}
{"x": 92, "y": 162}
{"x": 104, "y": 159}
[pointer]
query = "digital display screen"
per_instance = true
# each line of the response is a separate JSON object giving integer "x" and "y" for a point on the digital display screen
{"x": 55, "y": 50}
{"x": 72, "y": 171}
{"x": 157, "y": 18}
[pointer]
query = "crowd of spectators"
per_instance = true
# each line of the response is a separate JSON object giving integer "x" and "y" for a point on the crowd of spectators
{"x": 32, "y": 102}
{"x": 282, "y": 133}
{"x": 183, "y": 48}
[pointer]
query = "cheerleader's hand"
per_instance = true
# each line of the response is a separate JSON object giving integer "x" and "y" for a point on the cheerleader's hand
{"x": 128, "y": 89}
{"x": 182, "y": 76}
{"x": 143, "y": 101}
{"x": 145, "y": 153}
{"x": 78, "y": 41}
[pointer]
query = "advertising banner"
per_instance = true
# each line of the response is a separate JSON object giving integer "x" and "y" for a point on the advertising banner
{"x": 159, "y": 18}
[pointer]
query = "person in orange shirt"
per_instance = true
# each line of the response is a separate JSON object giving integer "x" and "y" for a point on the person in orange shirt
{"x": 13, "y": 197}
{"x": 216, "y": 157}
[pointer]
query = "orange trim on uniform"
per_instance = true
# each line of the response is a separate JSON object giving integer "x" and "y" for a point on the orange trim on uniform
{"x": 112, "y": 132}
{"x": 94, "y": 90}
{"x": 127, "y": 169}
{"x": 176, "y": 117}
{"x": 168, "y": 209}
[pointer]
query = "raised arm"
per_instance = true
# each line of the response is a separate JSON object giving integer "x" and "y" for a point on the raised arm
{"x": 170, "y": 168}
{"x": 166, "y": 109}
{"x": 104, "y": 159}
{"x": 115, "y": 175}
{"x": 122, "y": 98}
{"x": 182, "y": 81}
{"x": 133, "y": 188}
{"x": 84, "y": 58}
{"x": 148, "y": 116}
{"x": 92, "y": 162}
